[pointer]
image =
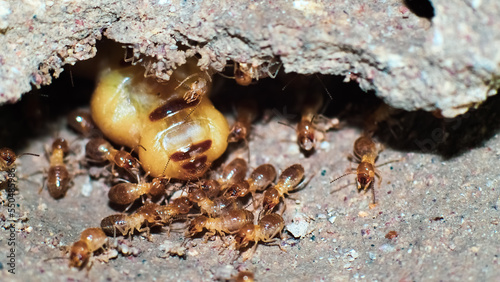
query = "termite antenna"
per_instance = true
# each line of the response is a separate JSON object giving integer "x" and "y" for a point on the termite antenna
{"x": 286, "y": 124}
{"x": 190, "y": 113}
{"x": 390, "y": 162}
{"x": 71, "y": 77}
{"x": 165, "y": 168}
{"x": 226, "y": 76}
{"x": 273, "y": 76}
{"x": 185, "y": 79}
{"x": 49, "y": 259}
{"x": 289, "y": 82}
{"x": 29, "y": 154}
{"x": 324, "y": 86}
{"x": 342, "y": 176}
{"x": 138, "y": 146}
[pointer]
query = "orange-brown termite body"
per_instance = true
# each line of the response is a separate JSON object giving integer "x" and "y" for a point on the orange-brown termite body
{"x": 127, "y": 193}
{"x": 100, "y": 150}
{"x": 127, "y": 224}
{"x": 269, "y": 227}
{"x": 259, "y": 179}
{"x": 58, "y": 177}
{"x": 288, "y": 180}
{"x": 210, "y": 207}
{"x": 81, "y": 121}
{"x": 366, "y": 152}
{"x": 227, "y": 223}
{"x": 91, "y": 240}
{"x": 235, "y": 171}
{"x": 246, "y": 112}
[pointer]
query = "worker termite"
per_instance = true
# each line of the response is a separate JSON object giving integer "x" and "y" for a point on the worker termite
{"x": 235, "y": 171}
{"x": 91, "y": 240}
{"x": 8, "y": 158}
{"x": 312, "y": 125}
{"x": 150, "y": 214}
{"x": 199, "y": 87}
{"x": 207, "y": 206}
{"x": 227, "y": 223}
{"x": 100, "y": 150}
{"x": 366, "y": 152}
{"x": 81, "y": 121}
{"x": 179, "y": 206}
{"x": 127, "y": 193}
{"x": 132, "y": 110}
{"x": 58, "y": 177}
{"x": 288, "y": 180}
{"x": 127, "y": 224}
{"x": 245, "y": 73}
{"x": 246, "y": 112}
{"x": 269, "y": 226}
{"x": 211, "y": 187}
{"x": 259, "y": 179}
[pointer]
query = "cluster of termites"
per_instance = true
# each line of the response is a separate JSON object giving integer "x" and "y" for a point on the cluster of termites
{"x": 174, "y": 134}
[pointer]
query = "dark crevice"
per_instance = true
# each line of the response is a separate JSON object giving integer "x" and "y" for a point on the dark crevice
{"x": 421, "y": 8}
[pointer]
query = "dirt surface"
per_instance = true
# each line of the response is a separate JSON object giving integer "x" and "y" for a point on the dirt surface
{"x": 437, "y": 215}
{"x": 430, "y": 55}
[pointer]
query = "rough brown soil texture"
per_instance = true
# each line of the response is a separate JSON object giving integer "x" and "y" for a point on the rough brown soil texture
{"x": 437, "y": 215}
{"x": 415, "y": 54}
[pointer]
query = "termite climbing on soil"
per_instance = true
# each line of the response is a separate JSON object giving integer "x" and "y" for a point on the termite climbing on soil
{"x": 234, "y": 172}
{"x": 58, "y": 177}
{"x": 212, "y": 208}
{"x": 288, "y": 180}
{"x": 246, "y": 111}
{"x": 91, "y": 240}
{"x": 269, "y": 227}
{"x": 127, "y": 224}
{"x": 259, "y": 179}
{"x": 150, "y": 214}
{"x": 366, "y": 152}
{"x": 227, "y": 223}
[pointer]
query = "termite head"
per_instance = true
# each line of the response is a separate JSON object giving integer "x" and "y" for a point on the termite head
{"x": 149, "y": 212}
{"x": 245, "y": 235}
{"x": 158, "y": 186}
{"x": 237, "y": 132}
{"x": 60, "y": 144}
{"x": 243, "y": 74}
{"x": 197, "y": 225}
{"x": 126, "y": 160}
{"x": 79, "y": 254}
{"x": 237, "y": 190}
{"x": 305, "y": 136}
{"x": 271, "y": 199}
{"x": 183, "y": 204}
{"x": 196, "y": 195}
{"x": 365, "y": 174}
{"x": 8, "y": 156}
{"x": 211, "y": 187}
{"x": 200, "y": 87}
